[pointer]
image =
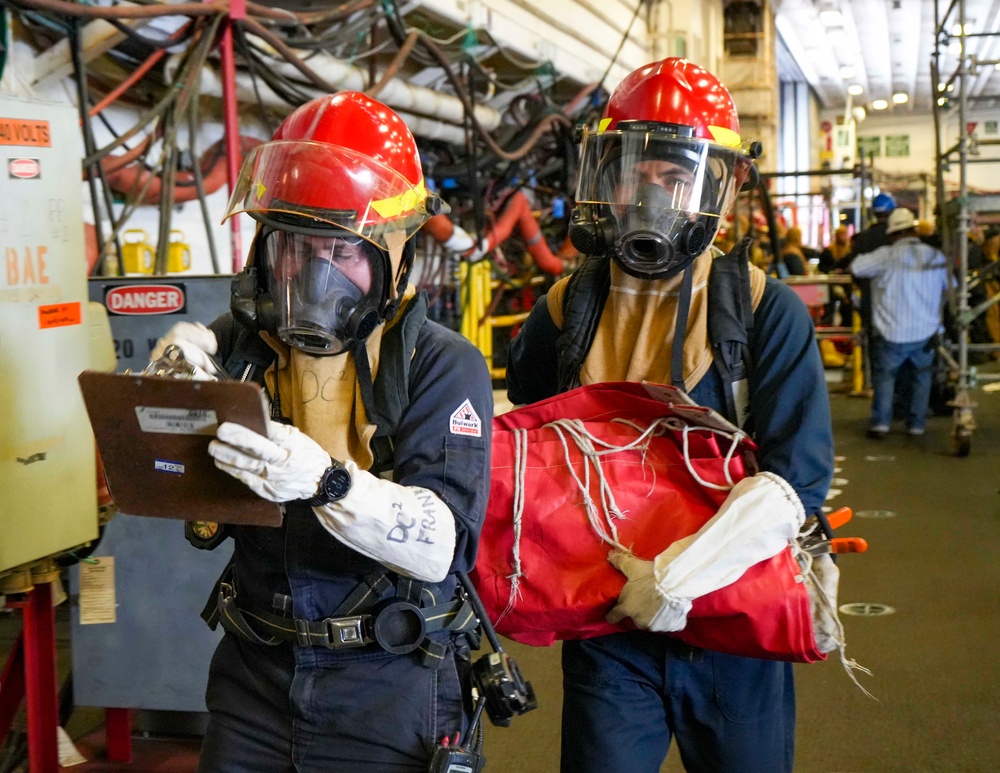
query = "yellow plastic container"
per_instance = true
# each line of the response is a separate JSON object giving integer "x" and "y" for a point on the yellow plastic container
{"x": 138, "y": 257}
{"x": 178, "y": 253}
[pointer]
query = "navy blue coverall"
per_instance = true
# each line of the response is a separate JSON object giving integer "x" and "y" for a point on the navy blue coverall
{"x": 311, "y": 709}
{"x": 626, "y": 695}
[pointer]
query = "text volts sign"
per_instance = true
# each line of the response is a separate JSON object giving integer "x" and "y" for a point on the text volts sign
{"x": 23, "y": 131}
{"x": 135, "y": 299}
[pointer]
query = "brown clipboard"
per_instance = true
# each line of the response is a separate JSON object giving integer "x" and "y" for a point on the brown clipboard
{"x": 153, "y": 434}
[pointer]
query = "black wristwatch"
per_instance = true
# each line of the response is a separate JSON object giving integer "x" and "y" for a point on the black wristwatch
{"x": 334, "y": 485}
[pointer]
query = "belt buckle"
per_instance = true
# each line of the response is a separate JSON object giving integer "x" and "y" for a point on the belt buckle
{"x": 345, "y": 632}
{"x": 226, "y": 592}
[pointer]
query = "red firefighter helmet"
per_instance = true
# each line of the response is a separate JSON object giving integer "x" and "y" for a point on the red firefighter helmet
{"x": 678, "y": 92}
{"x": 661, "y": 170}
{"x": 344, "y": 160}
{"x": 338, "y": 193}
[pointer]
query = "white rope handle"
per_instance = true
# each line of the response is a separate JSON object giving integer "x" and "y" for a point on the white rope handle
{"x": 805, "y": 561}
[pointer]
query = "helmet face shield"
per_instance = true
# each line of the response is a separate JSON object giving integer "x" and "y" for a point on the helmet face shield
{"x": 331, "y": 185}
{"x": 663, "y": 195}
{"x": 326, "y": 287}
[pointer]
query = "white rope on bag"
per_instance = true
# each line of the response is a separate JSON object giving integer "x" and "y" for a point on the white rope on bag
{"x": 735, "y": 439}
{"x": 584, "y": 441}
{"x": 805, "y": 561}
{"x": 520, "y": 465}
{"x": 604, "y": 528}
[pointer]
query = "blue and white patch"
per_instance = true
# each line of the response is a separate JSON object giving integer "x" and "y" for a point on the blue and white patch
{"x": 177, "y": 468}
{"x": 465, "y": 421}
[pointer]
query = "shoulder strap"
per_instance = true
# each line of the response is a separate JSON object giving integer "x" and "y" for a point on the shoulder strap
{"x": 249, "y": 355}
{"x": 387, "y": 398}
{"x": 730, "y": 320}
{"x": 586, "y": 293}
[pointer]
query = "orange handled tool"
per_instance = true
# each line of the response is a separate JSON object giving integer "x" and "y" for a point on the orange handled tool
{"x": 848, "y": 545}
{"x": 838, "y": 518}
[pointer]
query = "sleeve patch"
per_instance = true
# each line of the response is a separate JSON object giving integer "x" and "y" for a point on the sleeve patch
{"x": 465, "y": 421}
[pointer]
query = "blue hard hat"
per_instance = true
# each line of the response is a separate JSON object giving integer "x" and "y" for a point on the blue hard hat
{"x": 883, "y": 204}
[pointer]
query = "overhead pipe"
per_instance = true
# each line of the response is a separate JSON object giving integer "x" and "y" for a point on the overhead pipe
{"x": 517, "y": 212}
{"x": 418, "y": 102}
{"x": 396, "y": 93}
{"x": 214, "y": 168}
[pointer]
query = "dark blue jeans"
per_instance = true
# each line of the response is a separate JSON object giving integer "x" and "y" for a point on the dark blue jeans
{"x": 626, "y": 695}
{"x": 889, "y": 358}
{"x": 366, "y": 716}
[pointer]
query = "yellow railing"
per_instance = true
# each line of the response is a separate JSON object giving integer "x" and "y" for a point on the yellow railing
{"x": 475, "y": 296}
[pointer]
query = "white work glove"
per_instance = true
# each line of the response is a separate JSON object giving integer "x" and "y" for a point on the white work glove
{"x": 284, "y": 466}
{"x": 760, "y": 517}
{"x": 197, "y": 342}
{"x": 405, "y": 528}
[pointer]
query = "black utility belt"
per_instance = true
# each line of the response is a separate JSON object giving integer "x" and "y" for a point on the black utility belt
{"x": 395, "y": 625}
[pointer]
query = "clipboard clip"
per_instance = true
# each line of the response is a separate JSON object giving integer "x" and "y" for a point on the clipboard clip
{"x": 173, "y": 364}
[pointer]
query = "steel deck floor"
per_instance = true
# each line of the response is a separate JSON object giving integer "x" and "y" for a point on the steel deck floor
{"x": 936, "y": 675}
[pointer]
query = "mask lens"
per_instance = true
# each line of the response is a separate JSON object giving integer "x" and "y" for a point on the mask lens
{"x": 321, "y": 286}
{"x": 662, "y": 195}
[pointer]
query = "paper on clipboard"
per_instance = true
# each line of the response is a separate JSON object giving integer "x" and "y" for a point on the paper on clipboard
{"x": 153, "y": 434}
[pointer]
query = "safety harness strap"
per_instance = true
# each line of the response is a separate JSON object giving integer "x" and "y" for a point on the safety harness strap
{"x": 386, "y": 397}
{"x": 396, "y": 624}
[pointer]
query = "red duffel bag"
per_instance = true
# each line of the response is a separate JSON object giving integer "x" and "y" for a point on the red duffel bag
{"x": 655, "y": 468}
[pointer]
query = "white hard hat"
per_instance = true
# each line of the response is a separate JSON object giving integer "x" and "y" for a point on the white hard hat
{"x": 901, "y": 219}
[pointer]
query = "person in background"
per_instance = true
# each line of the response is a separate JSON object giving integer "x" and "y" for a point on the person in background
{"x": 345, "y": 648}
{"x": 840, "y": 300}
{"x": 792, "y": 254}
{"x": 838, "y": 248}
{"x": 928, "y": 234}
{"x": 909, "y": 280}
{"x": 872, "y": 237}
{"x": 975, "y": 262}
{"x": 673, "y": 125}
{"x": 991, "y": 256}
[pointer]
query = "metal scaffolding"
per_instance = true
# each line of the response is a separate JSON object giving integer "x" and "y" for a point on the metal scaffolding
{"x": 954, "y": 216}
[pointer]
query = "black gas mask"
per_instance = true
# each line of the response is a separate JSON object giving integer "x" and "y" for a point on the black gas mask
{"x": 651, "y": 200}
{"x": 318, "y": 290}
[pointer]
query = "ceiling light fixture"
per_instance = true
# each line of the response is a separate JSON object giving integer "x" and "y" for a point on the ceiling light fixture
{"x": 879, "y": 104}
{"x": 900, "y": 98}
{"x": 855, "y": 89}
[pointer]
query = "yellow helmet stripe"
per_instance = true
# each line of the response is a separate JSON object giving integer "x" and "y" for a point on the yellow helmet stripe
{"x": 725, "y": 136}
{"x": 394, "y": 206}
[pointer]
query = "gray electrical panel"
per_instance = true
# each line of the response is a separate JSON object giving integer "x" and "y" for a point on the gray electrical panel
{"x": 155, "y": 655}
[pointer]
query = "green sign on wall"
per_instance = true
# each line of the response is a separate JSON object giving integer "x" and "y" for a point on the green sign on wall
{"x": 897, "y": 145}
{"x": 870, "y": 146}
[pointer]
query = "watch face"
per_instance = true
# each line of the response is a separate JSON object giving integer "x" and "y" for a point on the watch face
{"x": 338, "y": 483}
